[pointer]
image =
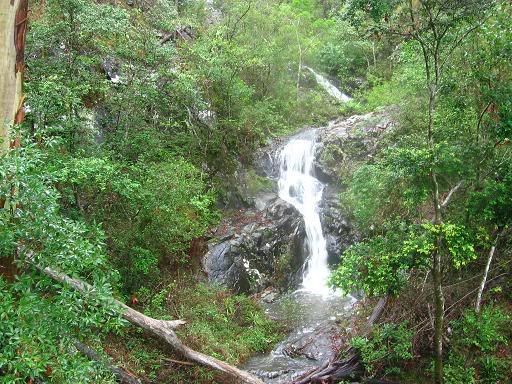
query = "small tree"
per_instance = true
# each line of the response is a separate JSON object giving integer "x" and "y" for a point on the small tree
{"x": 438, "y": 27}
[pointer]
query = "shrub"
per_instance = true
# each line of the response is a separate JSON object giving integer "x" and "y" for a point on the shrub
{"x": 386, "y": 348}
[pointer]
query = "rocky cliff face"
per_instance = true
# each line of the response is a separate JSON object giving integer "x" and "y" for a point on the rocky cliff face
{"x": 261, "y": 243}
{"x": 342, "y": 147}
{"x": 256, "y": 248}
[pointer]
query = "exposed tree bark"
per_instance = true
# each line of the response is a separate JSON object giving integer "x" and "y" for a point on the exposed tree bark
{"x": 162, "y": 329}
{"x": 486, "y": 273}
{"x": 13, "y": 23}
{"x": 121, "y": 374}
{"x": 448, "y": 198}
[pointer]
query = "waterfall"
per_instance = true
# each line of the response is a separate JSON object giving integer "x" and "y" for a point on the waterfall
{"x": 299, "y": 187}
{"x": 329, "y": 87}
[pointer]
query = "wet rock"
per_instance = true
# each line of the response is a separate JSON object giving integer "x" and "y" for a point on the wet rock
{"x": 246, "y": 188}
{"x": 342, "y": 147}
{"x": 321, "y": 344}
{"x": 254, "y": 249}
{"x": 338, "y": 231}
{"x": 111, "y": 68}
{"x": 183, "y": 33}
{"x": 346, "y": 143}
{"x": 269, "y": 295}
{"x": 267, "y": 161}
{"x": 316, "y": 335}
{"x": 263, "y": 244}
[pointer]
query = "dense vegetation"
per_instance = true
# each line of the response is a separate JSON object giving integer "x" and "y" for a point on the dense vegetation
{"x": 139, "y": 114}
{"x": 434, "y": 206}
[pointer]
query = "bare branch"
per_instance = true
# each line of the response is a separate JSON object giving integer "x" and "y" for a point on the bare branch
{"x": 486, "y": 273}
{"x": 161, "y": 328}
{"x": 450, "y": 194}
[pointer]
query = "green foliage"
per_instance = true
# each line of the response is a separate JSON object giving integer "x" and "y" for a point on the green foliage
{"x": 127, "y": 167}
{"x": 493, "y": 202}
{"x": 447, "y": 162}
{"x": 151, "y": 212}
{"x": 486, "y": 331}
{"x": 377, "y": 9}
{"x": 40, "y": 320}
{"x": 176, "y": 205}
{"x": 222, "y": 325}
{"x": 256, "y": 183}
{"x": 387, "y": 347}
{"x": 387, "y": 190}
{"x": 456, "y": 372}
{"x": 381, "y": 265}
{"x": 37, "y": 333}
{"x": 476, "y": 354}
{"x": 64, "y": 46}
{"x": 345, "y": 54}
{"x": 457, "y": 241}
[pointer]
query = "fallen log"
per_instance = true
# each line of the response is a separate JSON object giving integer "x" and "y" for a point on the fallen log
{"x": 342, "y": 368}
{"x": 162, "y": 329}
{"x": 122, "y": 375}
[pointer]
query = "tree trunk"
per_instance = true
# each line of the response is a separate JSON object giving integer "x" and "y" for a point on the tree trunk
{"x": 437, "y": 273}
{"x": 484, "y": 278}
{"x": 13, "y": 22}
{"x": 162, "y": 329}
{"x": 438, "y": 317}
{"x": 432, "y": 71}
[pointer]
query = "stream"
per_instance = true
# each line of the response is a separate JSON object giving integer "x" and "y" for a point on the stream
{"x": 329, "y": 87}
{"x": 314, "y": 312}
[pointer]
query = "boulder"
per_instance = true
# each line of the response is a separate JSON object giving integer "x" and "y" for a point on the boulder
{"x": 256, "y": 248}
{"x": 347, "y": 143}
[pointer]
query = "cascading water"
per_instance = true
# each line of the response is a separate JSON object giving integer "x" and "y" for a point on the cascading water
{"x": 313, "y": 312}
{"x": 299, "y": 187}
{"x": 329, "y": 87}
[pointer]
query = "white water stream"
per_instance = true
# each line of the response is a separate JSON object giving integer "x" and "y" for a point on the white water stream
{"x": 314, "y": 312}
{"x": 299, "y": 187}
{"x": 329, "y": 87}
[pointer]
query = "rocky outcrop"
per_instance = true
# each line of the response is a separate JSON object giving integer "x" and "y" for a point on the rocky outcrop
{"x": 347, "y": 143}
{"x": 338, "y": 231}
{"x": 342, "y": 147}
{"x": 255, "y": 248}
{"x": 262, "y": 243}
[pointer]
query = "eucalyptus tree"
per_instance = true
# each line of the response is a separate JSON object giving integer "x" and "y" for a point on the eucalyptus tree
{"x": 13, "y": 23}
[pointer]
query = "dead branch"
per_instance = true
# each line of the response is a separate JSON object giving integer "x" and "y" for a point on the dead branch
{"x": 338, "y": 369}
{"x": 162, "y": 329}
{"x": 179, "y": 362}
{"x": 486, "y": 273}
{"x": 450, "y": 194}
{"x": 121, "y": 374}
